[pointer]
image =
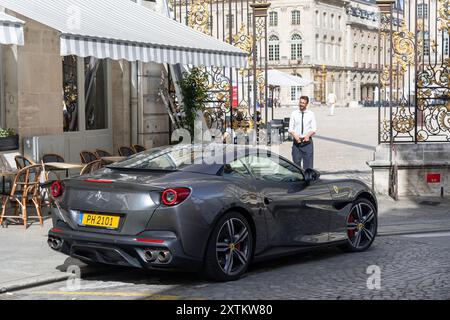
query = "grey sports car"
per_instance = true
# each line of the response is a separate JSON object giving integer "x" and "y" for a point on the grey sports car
{"x": 214, "y": 208}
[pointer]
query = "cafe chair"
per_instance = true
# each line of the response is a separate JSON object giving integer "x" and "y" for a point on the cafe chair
{"x": 138, "y": 148}
{"x": 126, "y": 151}
{"x": 102, "y": 153}
{"x": 91, "y": 167}
{"x": 87, "y": 157}
{"x": 22, "y": 162}
{"x": 25, "y": 192}
{"x": 52, "y": 157}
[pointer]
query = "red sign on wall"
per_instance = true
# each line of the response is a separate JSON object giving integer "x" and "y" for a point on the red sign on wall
{"x": 235, "y": 96}
{"x": 433, "y": 178}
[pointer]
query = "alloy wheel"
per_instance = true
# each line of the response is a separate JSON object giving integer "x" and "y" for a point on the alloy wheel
{"x": 361, "y": 225}
{"x": 233, "y": 246}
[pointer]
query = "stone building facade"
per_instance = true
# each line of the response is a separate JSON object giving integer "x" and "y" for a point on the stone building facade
{"x": 333, "y": 42}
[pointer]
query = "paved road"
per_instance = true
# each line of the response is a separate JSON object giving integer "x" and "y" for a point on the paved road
{"x": 411, "y": 267}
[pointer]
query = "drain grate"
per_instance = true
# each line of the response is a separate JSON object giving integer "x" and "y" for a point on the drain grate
{"x": 430, "y": 203}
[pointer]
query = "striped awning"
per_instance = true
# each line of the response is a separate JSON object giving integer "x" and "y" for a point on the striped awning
{"x": 11, "y": 30}
{"x": 122, "y": 29}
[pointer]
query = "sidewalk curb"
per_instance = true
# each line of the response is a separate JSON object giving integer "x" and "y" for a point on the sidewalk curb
{"x": 50, "y": 278}
{"x": 412, "y": 231}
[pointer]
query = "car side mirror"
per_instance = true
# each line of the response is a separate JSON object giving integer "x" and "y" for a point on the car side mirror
{"x": 311, "y": 175}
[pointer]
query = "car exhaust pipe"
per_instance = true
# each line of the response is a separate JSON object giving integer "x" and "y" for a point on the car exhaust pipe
{"x": 55, "y": 243}
{"x": 164, "y": 256}
{"x": 150, "y": 255}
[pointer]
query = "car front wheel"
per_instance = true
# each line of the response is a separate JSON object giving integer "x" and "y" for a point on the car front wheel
{"x": 230, "y": 248}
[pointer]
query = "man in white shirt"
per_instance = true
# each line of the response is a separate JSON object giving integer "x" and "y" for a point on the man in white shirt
{"x": 302, "y": 126}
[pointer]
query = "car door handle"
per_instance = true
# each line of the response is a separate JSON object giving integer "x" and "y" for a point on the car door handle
{"x": 267, "y": 201}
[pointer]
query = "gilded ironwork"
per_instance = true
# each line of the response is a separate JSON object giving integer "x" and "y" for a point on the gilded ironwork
{"x": 232, "y": 22}
{"x": 199, "y": 16}
{"x": 414, "y": 81}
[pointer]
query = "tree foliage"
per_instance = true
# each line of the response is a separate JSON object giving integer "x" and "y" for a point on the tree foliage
{"x": 194, "y": 88}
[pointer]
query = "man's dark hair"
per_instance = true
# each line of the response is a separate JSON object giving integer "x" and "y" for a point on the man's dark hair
{"x": 305, "y": 98}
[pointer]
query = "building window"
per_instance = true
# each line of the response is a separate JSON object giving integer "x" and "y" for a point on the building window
{"x": 422, "y": 11}
{"x": 426, "y": 43}
{"x": 274, "y": 48}
{"x": 332, "y": 21}
{"x": 324, "y": 20}
{"x": 273, "y": 19}
{"x": 70, "y": 90}
{"x": 317, "y": 19}
{"x": 339, "y": 23}
{"x": 446, "y": 40}
{"x": 228, "y": 20}
{"x": 296, "y": 93}
{"x": 95, "y": 93}
{"x": 295, "y": 17}
{"x": 296, "y": 47}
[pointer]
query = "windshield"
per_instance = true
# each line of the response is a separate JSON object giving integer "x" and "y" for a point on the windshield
{"x": 168, "y": 159}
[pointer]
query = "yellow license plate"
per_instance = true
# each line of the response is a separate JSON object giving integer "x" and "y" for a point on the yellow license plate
{"x": 97, "y": 220}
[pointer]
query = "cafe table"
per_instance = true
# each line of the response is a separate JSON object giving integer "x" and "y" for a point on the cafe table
{"x": 66, "y": 166}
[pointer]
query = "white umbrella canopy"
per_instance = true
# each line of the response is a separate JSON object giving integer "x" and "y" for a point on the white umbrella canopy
{"x": 282, "y": 79}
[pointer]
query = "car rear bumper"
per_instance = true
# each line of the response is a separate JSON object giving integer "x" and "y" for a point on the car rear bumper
{"x": 149, "y": 249}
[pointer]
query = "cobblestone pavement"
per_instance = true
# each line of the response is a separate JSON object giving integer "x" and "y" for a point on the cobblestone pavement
{"x": 411, "y": 267}
{"x": 344, "y": 142}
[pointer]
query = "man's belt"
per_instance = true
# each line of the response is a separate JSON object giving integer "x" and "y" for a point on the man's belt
{"x": 302, "y": 142}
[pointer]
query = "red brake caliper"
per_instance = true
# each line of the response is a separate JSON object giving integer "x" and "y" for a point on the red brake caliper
{"x": 350, "y": 232}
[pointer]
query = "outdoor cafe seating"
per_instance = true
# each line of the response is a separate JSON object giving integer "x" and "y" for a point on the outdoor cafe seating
{"x": 25, "y": 192}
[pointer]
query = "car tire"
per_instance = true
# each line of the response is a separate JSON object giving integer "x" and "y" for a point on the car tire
{"x": 221, "y": 250}
{"x": 366, "y": 226}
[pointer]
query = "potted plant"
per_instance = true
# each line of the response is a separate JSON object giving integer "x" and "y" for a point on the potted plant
{"x": 9, "y": 140}
{"x": 194, "y": 89}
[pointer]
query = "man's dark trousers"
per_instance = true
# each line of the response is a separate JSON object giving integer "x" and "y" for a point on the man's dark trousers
{"x": 303, "y": 153}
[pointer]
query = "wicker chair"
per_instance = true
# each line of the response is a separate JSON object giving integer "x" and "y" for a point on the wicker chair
{"x": 138, "y": 148}
{"x": 91, "y": 167}
{"x": 25, "y": 192}
{"x": 102, "y": 153}
{"x": 52, "y": 157}
{"x": 22, "y": 162}
{"x": 87, "y": 157}
{"x": 126, "y": 151}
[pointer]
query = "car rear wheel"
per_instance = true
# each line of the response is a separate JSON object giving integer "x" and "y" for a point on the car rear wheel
{"x": 361, "y": 226}
{"x": 230, "y": 248}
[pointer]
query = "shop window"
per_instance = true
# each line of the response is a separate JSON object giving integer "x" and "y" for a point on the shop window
{"x": 70, "y": 92}
{"x": 95, "y": 93}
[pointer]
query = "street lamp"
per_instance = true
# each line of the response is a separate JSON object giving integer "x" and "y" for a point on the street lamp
{"x": 259, "y": 11}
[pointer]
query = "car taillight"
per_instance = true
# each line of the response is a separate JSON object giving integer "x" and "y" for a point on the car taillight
{"x": 57, "y": 189}
{"x": 172, "y": 197}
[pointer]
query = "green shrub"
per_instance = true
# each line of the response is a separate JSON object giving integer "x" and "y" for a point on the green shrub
{"x": 7, "y": 132}
{"x": 194, "y": 88}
